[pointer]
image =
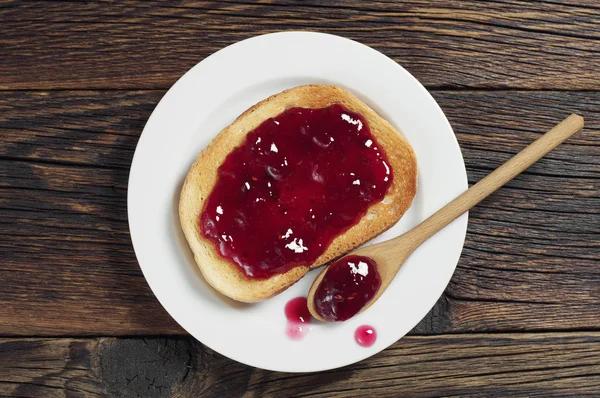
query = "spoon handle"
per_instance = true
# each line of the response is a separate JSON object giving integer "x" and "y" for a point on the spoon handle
{"x": 495, "y": 179}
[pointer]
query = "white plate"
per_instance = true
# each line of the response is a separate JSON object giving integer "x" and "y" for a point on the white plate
{"x": 208, "y": 98}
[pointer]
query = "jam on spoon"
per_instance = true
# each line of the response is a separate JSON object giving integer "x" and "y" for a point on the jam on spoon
{"x": 348, "y": 285}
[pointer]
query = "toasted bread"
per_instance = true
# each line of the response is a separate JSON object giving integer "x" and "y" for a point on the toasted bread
{"x": 225, "y": 276}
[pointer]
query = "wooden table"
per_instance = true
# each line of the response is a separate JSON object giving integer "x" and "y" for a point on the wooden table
{"x": 78, "y": 81}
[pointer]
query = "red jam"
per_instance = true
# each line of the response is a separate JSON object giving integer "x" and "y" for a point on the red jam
{"x": 298, "y": 317}
{"x": 299, "y": 180}
{"x": 365, "y": 336}
{"x": 347, "y": 286}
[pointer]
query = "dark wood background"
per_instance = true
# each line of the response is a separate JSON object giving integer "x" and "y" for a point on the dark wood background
{"x": 78, "y": 81}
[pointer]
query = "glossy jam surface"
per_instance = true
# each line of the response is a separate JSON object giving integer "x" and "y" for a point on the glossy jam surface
{"x": 298, "y": 317}
{"x": 299, "y": 180}
{"x": 349, "y": 284}
{"x": 365, "y": 336}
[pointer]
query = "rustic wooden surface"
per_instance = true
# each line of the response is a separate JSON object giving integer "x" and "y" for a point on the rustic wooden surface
{"x": 78, "y": 81}
{"x": 516, "y": 44}
{"x": 524, "y": 364}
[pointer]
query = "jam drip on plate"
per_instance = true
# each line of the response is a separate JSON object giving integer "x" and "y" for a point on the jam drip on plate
{"x": 349, "y": 284}
{"x": 299, "y": 180}
{"x": 365, "y": 336}
{"x": 298, "y": 318}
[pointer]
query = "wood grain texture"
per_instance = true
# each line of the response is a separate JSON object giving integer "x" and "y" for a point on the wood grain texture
{"x": 500, "y": 44}
{"x": 67, "y": 261}
{"x": 530, "y": 260}
{"x": 78, "y": 81}
{"x": 556, "y": 364}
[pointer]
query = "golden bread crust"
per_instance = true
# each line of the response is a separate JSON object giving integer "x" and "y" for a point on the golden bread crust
{"x": 225, "y": 276}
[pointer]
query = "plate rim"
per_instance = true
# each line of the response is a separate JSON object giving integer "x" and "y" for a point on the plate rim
{"x": 144, "y": 137}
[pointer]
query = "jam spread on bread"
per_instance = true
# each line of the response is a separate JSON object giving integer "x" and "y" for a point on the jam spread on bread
{"x": 298, "y": 181}
{"x": 349, "y": 284}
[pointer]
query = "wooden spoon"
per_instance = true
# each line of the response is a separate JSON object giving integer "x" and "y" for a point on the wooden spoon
{"x": 390, "y": 255}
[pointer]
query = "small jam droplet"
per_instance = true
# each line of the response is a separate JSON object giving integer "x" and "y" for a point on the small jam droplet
{"x": 365, "y": 336}
{"x": 298, "y": 317}
{"x": 348, "y": 285}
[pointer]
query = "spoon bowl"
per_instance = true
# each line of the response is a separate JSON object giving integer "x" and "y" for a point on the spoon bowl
{"x": 393, "y": 251}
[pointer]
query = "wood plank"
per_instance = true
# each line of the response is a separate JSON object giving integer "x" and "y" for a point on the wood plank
{"x": 79, "y": 128}
{"x": 149, "y": 44}
{"x": 101, "y": 128}
{"x": 531, "y": 248}
{"x": 544, "y": 365}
